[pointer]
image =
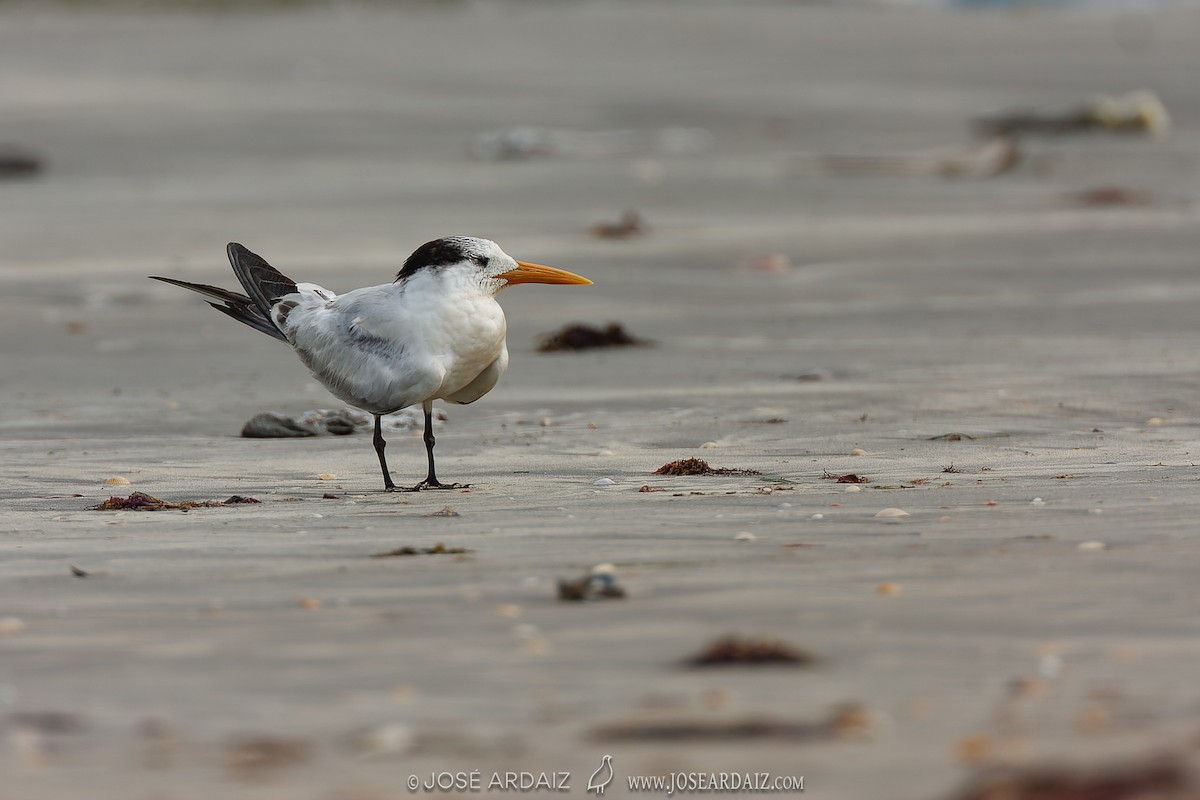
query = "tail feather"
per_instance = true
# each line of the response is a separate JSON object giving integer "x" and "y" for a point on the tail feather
{"x": 262, "y": 282}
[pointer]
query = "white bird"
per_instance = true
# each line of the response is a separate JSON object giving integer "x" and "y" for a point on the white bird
{"x": 435, "y": 333}
{"x": 602, "y": 777}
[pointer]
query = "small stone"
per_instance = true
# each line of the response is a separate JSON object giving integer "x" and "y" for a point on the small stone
{"x": 309, "y": 603}
{"x": 603, "y": 482}
{"x": 745, "y": 536}
{"x": 945, "y": 518}
{"x": 858, "y": 451}
{"x": 1154, "y": 422}
{"x": 785, "y": 505}
{"x": 545, "y": 422}
{"x": 117, "y": 480}
{"x": 817, "y": 516}
{"x": 891, "y": 513}
{"x": 1037, "y": 501}
{"x": 1050, "y": 666}
{"x": 1089, "y": 547}
{"x": 1095, "y": 510}
{"x": 887, "y": 589}
{"x": 850, "y": 487}
{"x": 11, "y": 625}
{"x": 509, "y": 610}
{"x": 325, "y": 476}
{"x": 604, "y": 568}
{"x": 709, "y": 445}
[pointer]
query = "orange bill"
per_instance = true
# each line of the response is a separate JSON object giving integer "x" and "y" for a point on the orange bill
{"x": 536, "y": 273}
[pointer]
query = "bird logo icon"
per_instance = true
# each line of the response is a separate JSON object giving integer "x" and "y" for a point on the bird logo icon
{"x": 602, "y": 777}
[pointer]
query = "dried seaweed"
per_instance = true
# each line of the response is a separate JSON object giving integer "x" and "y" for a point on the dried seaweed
{"x": 140, "y": 501}
{"x": 630, "y": 224}
{"x": 437, "y": 550}
{"x": 849, "y": 477}
{"x": 578, "y": 336}
{"x": 736, "y": 650}
{"x": 697, "y": 466}
{"x": 849, "y": 721}
{"x": 1161, "y": 778}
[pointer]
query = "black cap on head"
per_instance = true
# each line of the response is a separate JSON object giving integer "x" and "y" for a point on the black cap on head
{"x": 440, "y": 253}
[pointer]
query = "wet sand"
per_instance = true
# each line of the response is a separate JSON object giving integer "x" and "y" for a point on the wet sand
{"x": 260, "y": 651}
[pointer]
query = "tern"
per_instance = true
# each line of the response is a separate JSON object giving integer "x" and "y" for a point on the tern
{"x": 435, "y": 333}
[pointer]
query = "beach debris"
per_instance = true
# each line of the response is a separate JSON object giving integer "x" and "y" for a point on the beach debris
{"x": 733, "y": 650}
{"x": 951, "y": 469}
{"x": 1140, "y": 112}
{"x": 336, "y": 421}
{"x": 630, "y": 224}
{"x": 249, "y": 755}
{"x": 1110, "y": 196}
{"x": 447, "y": 511}
{"x": 950, "y": 437}
{"x": 11, "y": 625}
{"x": 849, "y": 477}
{"x": 272, "y": 425}
{"x": 648, "y": 488}
{"x": 437, "y": 550}
{"x": 55, "y": 723}
{"x": 697, "y": 466}
{"x": 378, "y": 740}
{"x": 1161, "y": 777}
{"x": 77, "y": 572}
{"x": 578, "y": 336}
{"x": 849, "y": 721}
{"x": 16, "y": 162}
{"x": 116, "y": 480}
{"x": 765, "y": 264}
{"x": 985, "y": 159}
{"x": 330, "y": 496}
{"x": 525, "y": 142}
{"x": 599, "y": 583}
{"x": 745, "y": 536}
{"x": 140, "y": 501}
{"x": 891, "y": 514}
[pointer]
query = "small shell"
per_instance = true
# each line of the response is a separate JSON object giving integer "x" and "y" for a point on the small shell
{"x": 745, "y": 536}
{"x": 1037, "y": 501}
{"x": 1093, "y": 546}
{"x": 858, "y": 451}
{"x": 891, "y": 513}
{"x": 603, "y": 482}
{"x": 117, "y": 480}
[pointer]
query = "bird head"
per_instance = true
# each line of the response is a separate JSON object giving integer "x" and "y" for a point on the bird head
{"x": 482, "y": 260}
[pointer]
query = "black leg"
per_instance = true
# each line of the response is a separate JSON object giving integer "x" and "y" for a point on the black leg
{"x": 431, "y": 481}
{"x": 380, "y": 444}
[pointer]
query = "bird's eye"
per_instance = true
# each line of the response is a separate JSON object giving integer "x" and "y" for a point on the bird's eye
{"x": 481, "y": 261}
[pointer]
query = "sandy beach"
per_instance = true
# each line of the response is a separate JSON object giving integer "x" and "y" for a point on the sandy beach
{"x": 1011, "y": 361}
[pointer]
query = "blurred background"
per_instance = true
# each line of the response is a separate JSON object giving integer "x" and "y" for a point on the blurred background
{"x": 868, "y": 224}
